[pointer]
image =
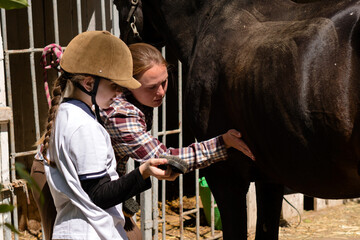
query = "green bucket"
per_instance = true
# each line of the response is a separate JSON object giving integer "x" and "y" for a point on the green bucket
{"x": 205, "y": 195}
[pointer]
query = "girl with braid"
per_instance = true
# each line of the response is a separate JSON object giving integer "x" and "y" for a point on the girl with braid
{"x": 80, "y": 164}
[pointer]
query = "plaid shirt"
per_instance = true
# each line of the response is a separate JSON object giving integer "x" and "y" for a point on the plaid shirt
{"x": 126, "y": 125}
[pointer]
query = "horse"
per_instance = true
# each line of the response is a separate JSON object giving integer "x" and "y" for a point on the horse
{"x": 285, "y": 74}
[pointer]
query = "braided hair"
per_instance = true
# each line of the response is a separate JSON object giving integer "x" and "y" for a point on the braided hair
{"x": 58, "y": 89}
{"x": 57, "y": 96}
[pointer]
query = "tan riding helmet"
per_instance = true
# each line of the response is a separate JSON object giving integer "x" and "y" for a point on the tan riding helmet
{"x": 101, "y": 54}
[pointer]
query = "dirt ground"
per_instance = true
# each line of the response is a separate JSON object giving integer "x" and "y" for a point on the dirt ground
{"x": 334, "y": 223}
{"x": 339, "y": 222}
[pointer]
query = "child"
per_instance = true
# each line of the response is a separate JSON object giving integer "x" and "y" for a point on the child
{"x": 81, "y": 172}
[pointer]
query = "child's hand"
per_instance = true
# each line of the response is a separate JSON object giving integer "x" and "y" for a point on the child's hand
{"x": 149, "y": 168}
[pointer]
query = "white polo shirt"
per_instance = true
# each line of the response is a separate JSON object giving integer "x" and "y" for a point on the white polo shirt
{"x": 80, "y": 146}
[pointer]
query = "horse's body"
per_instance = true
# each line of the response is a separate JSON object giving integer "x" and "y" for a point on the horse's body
{"x": 287, "y": 75}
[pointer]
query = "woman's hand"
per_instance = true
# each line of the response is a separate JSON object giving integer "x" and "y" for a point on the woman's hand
{"x": 233, "y": 139}
{"x": 149, "y": 168}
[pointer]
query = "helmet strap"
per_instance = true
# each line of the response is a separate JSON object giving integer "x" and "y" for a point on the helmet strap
{"x": 92, "y": 93}
{"x": 93, "y": 100}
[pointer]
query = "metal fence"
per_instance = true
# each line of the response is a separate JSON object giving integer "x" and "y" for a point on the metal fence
{"x": 102, "y": 16}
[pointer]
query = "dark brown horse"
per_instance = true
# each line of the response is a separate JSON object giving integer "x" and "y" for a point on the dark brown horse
{"x": 287, "y": 75}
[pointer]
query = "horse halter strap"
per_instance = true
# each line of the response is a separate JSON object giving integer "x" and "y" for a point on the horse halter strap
{"x": 134, "y": 5}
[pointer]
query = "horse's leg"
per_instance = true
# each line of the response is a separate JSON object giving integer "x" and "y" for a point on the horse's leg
{"x": 229, "y": 190}
{"x": 269, "y": 201}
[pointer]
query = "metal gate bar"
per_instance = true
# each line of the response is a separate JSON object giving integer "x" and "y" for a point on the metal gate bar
{"x": 78, "y": 10}
{"x": 56, "y": 22}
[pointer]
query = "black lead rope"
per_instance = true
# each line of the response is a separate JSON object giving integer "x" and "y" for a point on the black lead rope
{"x": 92, "y": 93}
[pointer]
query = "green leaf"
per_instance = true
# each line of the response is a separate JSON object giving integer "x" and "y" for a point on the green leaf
{"x": 12, "y": 228}
{"x": 307, "y": 221}
{"x": 13, "y": 4}
{"x": 6, "y": 208}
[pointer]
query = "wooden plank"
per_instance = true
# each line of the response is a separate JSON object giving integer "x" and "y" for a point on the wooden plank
{"x": 335, "y": 202}
{"x": 251, "y": 208}
{"x": 297, "y": 202}
{"x": 5, "y": 114}
{"x": 319, "y": 204}
{"x": 325, "y": 203}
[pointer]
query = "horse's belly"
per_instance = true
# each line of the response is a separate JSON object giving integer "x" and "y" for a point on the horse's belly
{"x": 324, "y": 173}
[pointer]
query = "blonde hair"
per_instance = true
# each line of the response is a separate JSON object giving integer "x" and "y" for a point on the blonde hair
{"x": 57, "y": 95}
{"x": 144, "y": 57}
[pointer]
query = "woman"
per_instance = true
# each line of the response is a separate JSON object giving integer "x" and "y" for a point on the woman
{"x": 81, "y": 165}
{"x": 129, "y": 118}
